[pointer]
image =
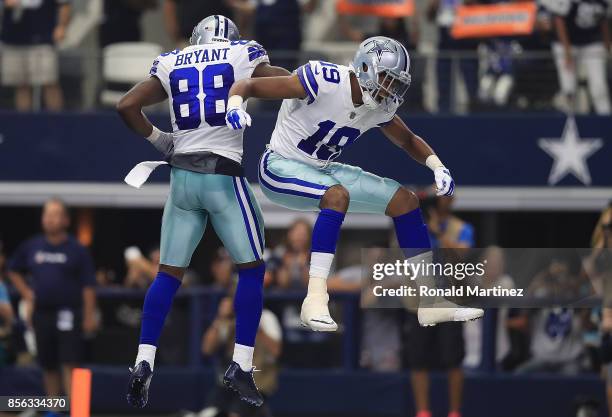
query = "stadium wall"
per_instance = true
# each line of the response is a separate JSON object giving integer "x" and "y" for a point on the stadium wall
{"x": 500, "y": 162}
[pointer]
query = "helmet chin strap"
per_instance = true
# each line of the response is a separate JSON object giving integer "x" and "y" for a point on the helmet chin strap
{"x": 367, "y": 98}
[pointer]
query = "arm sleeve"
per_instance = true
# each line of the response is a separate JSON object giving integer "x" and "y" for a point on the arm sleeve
{"x": 249, "y": 55}
{"x": 87, "y": 270}
{"x": 160, "y": 67}
{"x": 319, "y": 79}
{"x": 19, "y": 260}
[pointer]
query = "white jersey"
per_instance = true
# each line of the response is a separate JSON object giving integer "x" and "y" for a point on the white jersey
{"x": 197, "y": 80}
{"x": 316, "y": 129}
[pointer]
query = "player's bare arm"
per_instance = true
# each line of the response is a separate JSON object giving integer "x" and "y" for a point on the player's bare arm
{"x": 398, "y": 133}
{"x": 266, "y": 70}
{"x": 284, "y": 87}
{"x": 143, "y": 94}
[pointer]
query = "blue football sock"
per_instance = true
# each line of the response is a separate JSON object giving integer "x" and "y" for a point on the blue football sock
{"x": 248, "y": 303}
{"x": 157, "y": 304}
{"x": 326, "y": 231}
{"x": 325, "y": 235}
{"x": 412, "y": 233}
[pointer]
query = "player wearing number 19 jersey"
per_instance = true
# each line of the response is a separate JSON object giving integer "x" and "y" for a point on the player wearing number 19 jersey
{"x": 326, "y": 108}
{"x": 207, "y": 183}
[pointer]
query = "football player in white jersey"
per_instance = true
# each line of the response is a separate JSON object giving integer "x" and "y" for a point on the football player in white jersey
{"x": 207, "y": 182}
{"x": 326, "y": 108}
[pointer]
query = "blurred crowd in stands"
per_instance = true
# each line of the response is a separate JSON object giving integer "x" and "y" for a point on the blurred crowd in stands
{"x": 48, "y": 306}
{"x": 54, "y": 45}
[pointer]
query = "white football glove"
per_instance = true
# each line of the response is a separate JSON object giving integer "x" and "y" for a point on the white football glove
{"x": 237, "y": 119}
{"x": 445, "y": 186}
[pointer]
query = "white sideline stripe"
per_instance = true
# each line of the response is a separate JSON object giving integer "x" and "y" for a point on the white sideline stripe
{"x": 251, "y": 221}
{"x": 288, "y": 185}
{"x": 153, "y": 195}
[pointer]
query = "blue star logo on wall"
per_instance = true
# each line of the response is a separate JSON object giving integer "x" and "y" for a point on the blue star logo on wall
{"x": 380, "y": 48}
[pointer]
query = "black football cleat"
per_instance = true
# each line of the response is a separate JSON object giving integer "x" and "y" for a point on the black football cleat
{"x": 138, "y": 386}
{"x": 243, "y": 383}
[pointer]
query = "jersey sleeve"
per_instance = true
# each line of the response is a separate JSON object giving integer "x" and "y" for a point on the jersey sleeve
{"x": 161, "y": 66}
{"x": 319, "y": 79}
{"x": 250, "y": 55}
{"x": 557, "y": 7}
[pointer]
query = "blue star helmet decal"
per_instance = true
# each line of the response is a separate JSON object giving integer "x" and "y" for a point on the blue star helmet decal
{"x": 380, "y": 48}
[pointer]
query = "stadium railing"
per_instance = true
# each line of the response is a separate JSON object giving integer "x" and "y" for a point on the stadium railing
{"x": 530, "y": 81}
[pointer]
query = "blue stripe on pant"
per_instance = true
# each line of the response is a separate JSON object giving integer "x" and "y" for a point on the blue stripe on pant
{"x": 300, "y": 186}
{"x": 229, "y": 204}
{"x": 248, "y": 215}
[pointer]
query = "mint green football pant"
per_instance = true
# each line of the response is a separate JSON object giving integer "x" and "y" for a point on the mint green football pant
{"x": 298, "y": 186}
{"x": 231, "y": 207}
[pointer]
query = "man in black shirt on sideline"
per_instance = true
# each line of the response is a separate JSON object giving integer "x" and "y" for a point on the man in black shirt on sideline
{"x": 30, "y": 31}
{"x": 583, "y": 42}
{"x": 59, "y": 294}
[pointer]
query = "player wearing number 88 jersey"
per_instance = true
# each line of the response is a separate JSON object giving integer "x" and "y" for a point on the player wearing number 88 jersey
{"x": 327, "y": 107}
{"x": 197, "y": 80}
{"x": 207, "y": 183}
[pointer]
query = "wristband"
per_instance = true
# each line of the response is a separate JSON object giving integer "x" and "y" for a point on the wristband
{"x": 154, "y": 135}
{"x": 433, "y": 162}
{"x": 234, "y": 102}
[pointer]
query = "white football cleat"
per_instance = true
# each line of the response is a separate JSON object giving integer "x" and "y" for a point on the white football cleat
{"x": 315, "y": 314}
{"x": 430, "y": 316}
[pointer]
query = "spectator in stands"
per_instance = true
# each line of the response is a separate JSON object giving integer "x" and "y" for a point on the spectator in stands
{"x": 141, "y": 270}
{"x": 222, "y": 270}
{"x": 534, "y": 84}
{"x": 30, "y": 32}
{"x": 582, "y": 46}
{"x": 495, "y": 276}
{"x": 302, "y": 347}
{"x": 447, "y": 230}
{"x": 405, "y": 31}
{"x": 59, "y": 294}
{"x": 294, "y": 256}
{"x": 601, "y": 242}
{"x": 497, "y": 82}
{"x": 277, "y": 26}
{"x": 442, "y": 12}
{"x": 122, "y": 20}
{"x": 7, "y": 315}
{"x": 181, "y": 16}
{"x": 441, "y": 346}
{"x": 556, "y": 342}
{"x": 380, "y": 327}
{"x": 556, "y": 333}
{"x": 218, "y": 339}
